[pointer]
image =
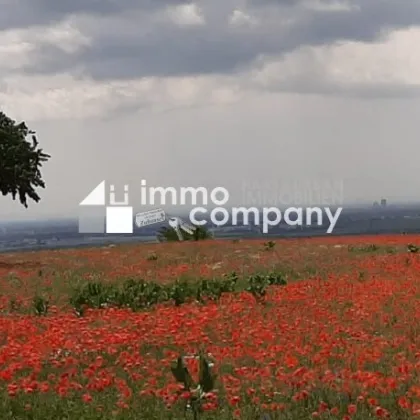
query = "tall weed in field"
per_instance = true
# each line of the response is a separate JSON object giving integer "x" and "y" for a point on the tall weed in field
{"x": 195, "y": 394}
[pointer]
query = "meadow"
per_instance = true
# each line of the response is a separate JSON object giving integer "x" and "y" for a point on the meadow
{"x": 294, "y": 329}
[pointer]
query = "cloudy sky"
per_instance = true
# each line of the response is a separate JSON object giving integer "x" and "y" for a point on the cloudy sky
{"x": 234, "y": 93}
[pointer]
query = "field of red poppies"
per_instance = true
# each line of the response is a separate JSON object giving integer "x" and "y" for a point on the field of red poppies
{"x": 340, "y": 340}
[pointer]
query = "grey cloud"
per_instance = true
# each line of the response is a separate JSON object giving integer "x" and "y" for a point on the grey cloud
{"x": 359, "y": 91}
{"x": 163, "y": 53}
{"x": 364, "y": 24}
{"x": 20, "y": 14}
{"x": 142, "y": 46}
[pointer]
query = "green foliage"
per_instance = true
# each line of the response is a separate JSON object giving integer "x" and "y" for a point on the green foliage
{"x": 276, "y": 279}
{"x": 181, "y": 291}
{"x": 207, "y": 379}
{"x": 99, "y": 293}
{"x": 197, "y": 392}
{"x": 168, "y": 234}
{"x": 213, "y": 289}
{"x": 258, "y": 283}
{"x": 257, "y": 286}
{"x": 20, "y": 160}
{"x": 181, "y": 374}
{"x": 93, "y": 294}
{"x": 412, "y": 248}
{"x": 14, "y": 305}
{"x": 138, "y": 294}
{"x": 364, "y": 248}
{"x": 40, "y": 305}
{"x": 391, "y": 250}
{"x": 269, "y": 245}
{"x": 133, "y": 293}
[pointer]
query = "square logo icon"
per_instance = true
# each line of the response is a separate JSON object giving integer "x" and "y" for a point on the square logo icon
{"x": 119, "y": 219}
{"x": 92, "y": 219}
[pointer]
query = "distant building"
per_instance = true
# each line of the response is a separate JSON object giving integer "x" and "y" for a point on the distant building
{"x": 375, "y": 204}
{"x": 383, "y": 202}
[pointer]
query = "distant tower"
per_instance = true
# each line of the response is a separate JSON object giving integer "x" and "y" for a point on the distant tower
{"x": 383, "y": 202}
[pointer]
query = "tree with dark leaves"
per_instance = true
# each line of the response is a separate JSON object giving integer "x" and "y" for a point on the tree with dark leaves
{"x": 20, "y": 161}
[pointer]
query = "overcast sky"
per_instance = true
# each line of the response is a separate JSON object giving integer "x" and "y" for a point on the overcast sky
{"x": 229, "y": 93}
